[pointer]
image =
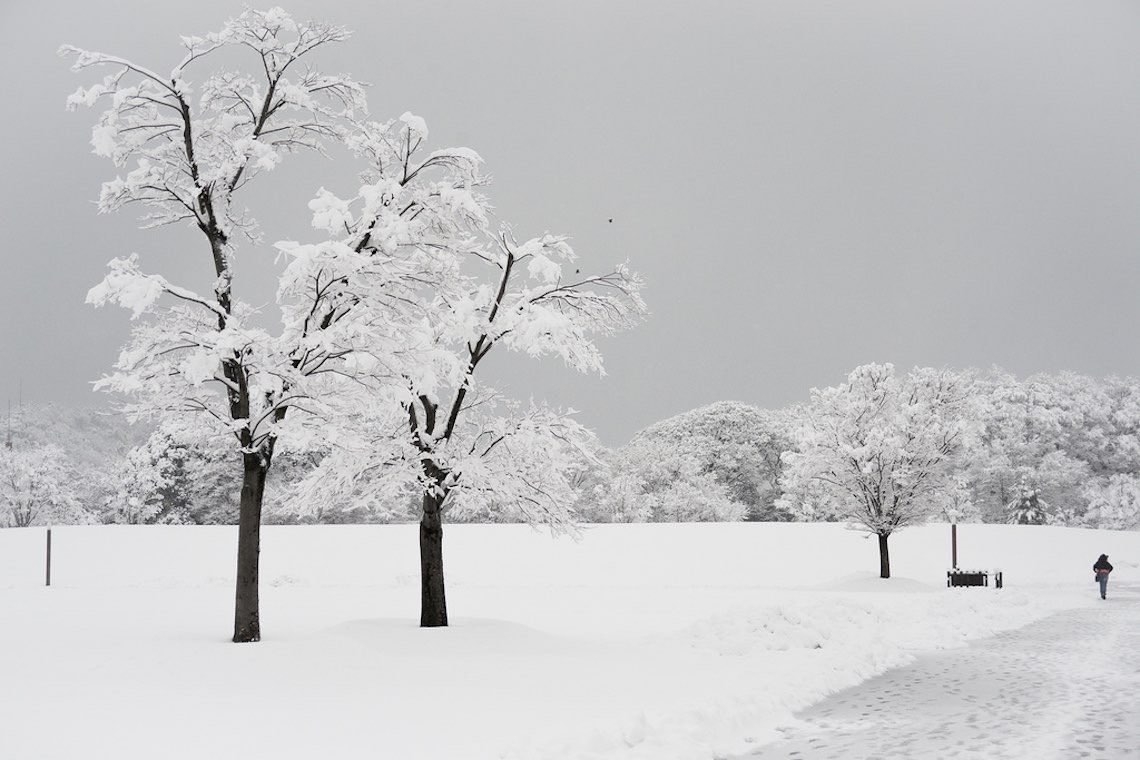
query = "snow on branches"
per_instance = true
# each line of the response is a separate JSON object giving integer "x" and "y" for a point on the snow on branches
{"x": 192, "y": 146}
{"x": 1114, "y": 503}
{"x": 189, "y": 147}
{"x": 384, "y": 322}
{"x": 38, "y": 487}
{"x": 416, "y": 240}
{"x": 877, "y": 449}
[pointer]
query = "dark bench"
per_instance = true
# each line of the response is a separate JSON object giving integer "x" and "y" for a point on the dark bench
{"x": 972, "y": 578}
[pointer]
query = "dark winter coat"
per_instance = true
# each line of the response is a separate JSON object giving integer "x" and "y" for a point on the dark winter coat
{"x": 1102, "y": 566}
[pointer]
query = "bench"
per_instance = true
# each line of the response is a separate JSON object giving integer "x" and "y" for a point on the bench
{"x": 972, "y": 578}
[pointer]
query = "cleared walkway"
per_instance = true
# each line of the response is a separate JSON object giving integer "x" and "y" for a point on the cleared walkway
{"x": 1066, "y": 687}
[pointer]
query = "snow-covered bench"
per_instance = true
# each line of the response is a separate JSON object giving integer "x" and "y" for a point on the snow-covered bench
{"x": 972, "y": 578}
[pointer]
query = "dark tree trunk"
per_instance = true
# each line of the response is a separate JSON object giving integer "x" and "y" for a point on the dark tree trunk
{"x": 433, "y": 604}
{"x": 247, "y": 619}
{"x": 884, "y": 556}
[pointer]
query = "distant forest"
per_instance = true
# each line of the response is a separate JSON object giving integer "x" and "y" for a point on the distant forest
{"x": 1059, "y": 449}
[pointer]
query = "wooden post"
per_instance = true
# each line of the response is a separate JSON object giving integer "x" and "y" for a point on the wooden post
{"x": 47, "y": 564}
{"x": 954, "y": 545}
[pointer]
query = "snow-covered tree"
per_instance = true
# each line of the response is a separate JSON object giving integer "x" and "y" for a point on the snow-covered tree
{"x": 140, "y": 482}
{"x": 1122, "y": 452}
{"x": 387, "y": 319}
{"x": 473, "y": 287}
{"x": 956, "y": 503}
{"x": 677, "y": 484}
{"x": 182, "y": 474}
{"x": 93, "y": 440}
{"x": 738, "y": 444}
{"x": 1048, "y": 434}
{"x": 189, "y": 149}
{"x": 522, "y": 458}
{"x": 37, "y": 487}
{"x": 1113, "y": 503}
{"x": 620, "y": 498}
{"x": 1028, "y": 508}
{"x": 877, "y": 450}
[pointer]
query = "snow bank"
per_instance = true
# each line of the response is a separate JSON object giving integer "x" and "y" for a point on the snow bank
{"x": 637, "y": 641}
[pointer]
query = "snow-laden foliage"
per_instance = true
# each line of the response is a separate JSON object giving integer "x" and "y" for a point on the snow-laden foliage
{"x": 1113, "y": 503}
{"x": 384, "y": 321}
{"x": 955, "y": 503}
{"x": 37, "y": 487}
{"x": 877, "y": 450}
{"x": 1028, "y": 508}
{"x": 616, "y": 496}
{"x": 1053, "y": 435}
{"x": 737, "y": 444}
{"x": 1060, "y": 436}
{"x": 417, "y": 239}
{"x": 188, "y": 145}
{"x": 428, "y": 287}
{"x": 93, "y": 441}
{"x": 145, "y": 483}
{"x": 657, "y": 479}
{"x": 182, "y": 474}
{"x": 517, "y": 466}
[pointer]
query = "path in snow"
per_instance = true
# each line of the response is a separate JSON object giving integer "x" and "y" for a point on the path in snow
{"x": 1065, "y": 687}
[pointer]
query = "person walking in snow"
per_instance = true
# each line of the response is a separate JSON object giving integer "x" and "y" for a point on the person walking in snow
{"x": 1102, "y": 568}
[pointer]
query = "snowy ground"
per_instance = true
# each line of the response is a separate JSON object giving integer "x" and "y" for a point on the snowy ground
{"x": 1063, "y": 687}
{"x": 648, "y": 641}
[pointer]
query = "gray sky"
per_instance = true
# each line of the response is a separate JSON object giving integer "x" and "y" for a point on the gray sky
{"x": 806, "y": 186}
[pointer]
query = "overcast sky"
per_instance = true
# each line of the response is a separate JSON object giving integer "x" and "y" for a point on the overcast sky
{"x": 806, "y": 186}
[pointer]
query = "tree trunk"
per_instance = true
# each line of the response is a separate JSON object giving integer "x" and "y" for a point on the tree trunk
{"x": 247, "y": 619}
{"x": 884, "y": 556}
{"x": 433, "y": 604}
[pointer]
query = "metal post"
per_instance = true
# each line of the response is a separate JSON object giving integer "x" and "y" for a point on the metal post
{"x": 47, "y": 566}
{"x": 954, "y": 545}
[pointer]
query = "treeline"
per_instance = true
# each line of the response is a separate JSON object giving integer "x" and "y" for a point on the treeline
{"x": 1059, "y": 449}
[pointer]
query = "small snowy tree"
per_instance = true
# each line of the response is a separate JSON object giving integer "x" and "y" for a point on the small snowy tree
{"x": 955, "y": 503}
{"x": 1028, "y": 508}
{"x": 619, "y": 499}
{"x": 37, "y": 487}
{"x": 877, "y": 450}
{"x": 139, "y": 484}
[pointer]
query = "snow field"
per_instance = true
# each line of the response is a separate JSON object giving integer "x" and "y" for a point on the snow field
{"x": 636, "y": 641}
{"x": 1037, "y": 692}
